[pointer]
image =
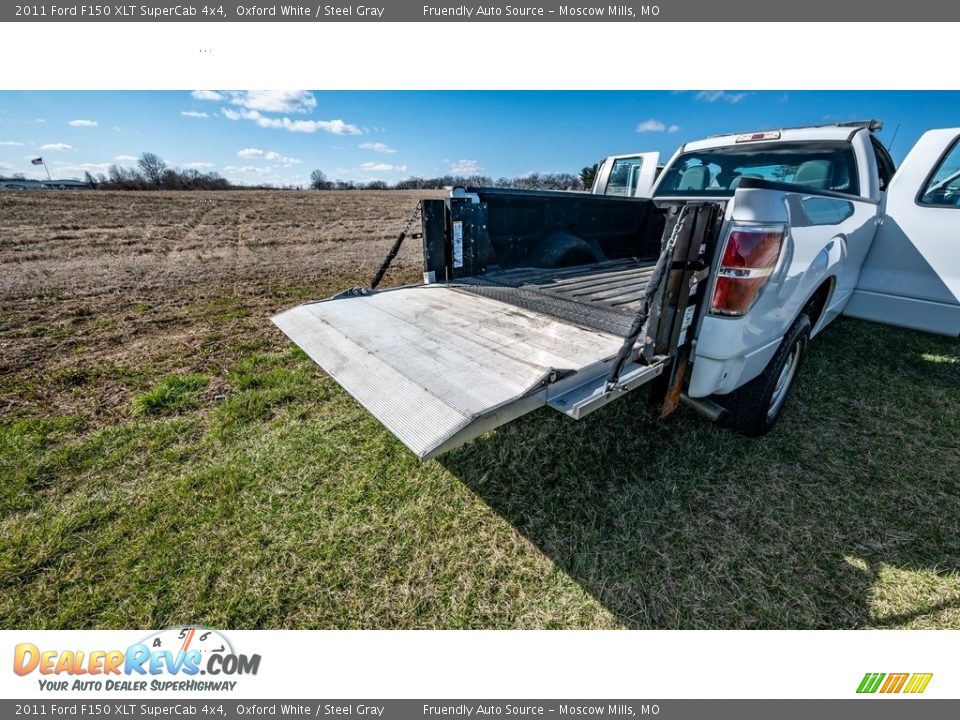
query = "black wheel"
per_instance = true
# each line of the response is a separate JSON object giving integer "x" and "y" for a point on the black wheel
{"x": 756, "y": 407}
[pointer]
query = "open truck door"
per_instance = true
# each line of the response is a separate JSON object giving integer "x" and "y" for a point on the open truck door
{"x": 534, "y": 298}
{"x": 911, "y": 276}
{"x": 627, "y": 175}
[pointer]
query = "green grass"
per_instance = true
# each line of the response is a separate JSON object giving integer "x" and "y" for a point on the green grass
{"x": 279, "y": 502}
{"x": 171, "y": 395}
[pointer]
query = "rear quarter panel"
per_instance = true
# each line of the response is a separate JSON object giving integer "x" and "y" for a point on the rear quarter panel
{"x": 827, "y": 240}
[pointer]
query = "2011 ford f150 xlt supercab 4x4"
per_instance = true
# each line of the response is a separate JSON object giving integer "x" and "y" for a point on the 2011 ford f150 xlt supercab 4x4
{"x": 709, "y": 291}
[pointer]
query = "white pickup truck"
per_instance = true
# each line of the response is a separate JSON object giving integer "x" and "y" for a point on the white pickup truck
{"x": 708, "y": 291}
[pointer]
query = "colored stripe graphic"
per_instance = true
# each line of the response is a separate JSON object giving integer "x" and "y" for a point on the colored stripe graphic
{"x": 870, "y": 682}
{"x": 894, "y": 683}
{"x": 918, "y": 682}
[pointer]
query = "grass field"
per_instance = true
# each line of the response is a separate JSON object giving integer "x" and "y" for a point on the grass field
{"x": 168, "y": 457}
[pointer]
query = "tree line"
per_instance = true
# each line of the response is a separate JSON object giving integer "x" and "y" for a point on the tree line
{"x": 531, "y": 181}
{"x": 152, "y": 173}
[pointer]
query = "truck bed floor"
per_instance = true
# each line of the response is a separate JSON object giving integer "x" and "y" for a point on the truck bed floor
{"x": 602, "y": 296}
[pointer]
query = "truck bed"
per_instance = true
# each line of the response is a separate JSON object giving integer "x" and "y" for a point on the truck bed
{"x": 511, "y": 317}
{"x": 601, "y": 296}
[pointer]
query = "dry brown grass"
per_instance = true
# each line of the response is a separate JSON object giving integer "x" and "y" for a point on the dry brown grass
{"x": 134, "y": 279}
{"x": 98, "y": 243}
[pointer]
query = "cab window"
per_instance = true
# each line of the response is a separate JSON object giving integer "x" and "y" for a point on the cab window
{"x": 718, "y": 171}
{"x": 943, "y": 188}
{"x": 885, "y": 166}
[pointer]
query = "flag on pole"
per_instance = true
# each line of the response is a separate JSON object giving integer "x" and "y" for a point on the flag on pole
{"x": 39, "y": 161}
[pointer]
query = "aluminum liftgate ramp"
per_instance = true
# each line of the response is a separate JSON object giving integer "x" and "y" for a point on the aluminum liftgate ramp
{"x": 439, "y": 365}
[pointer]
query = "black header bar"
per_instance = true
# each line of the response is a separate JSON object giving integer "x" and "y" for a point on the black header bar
{"x": 734, "y": 11}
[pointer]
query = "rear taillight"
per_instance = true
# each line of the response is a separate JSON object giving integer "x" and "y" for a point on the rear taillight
{"x": 749, "y": 257}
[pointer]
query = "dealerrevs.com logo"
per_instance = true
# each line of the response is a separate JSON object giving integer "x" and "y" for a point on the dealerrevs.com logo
{"x": 170, "y": 660}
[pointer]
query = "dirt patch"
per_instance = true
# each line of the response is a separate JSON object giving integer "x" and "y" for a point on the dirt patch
{"x": 101, "y": 292}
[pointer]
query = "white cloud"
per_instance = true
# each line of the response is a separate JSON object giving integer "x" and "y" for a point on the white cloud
{"x": 654, "y": 125}
{"x": 258, "y": 175}
{"x": 466, "y": 167}
{"x": 651, "y": 125}
{"x": 712, "y": 96}
{"x": 193, "y": 114}
{"x": 268, "y": 155}
{"x": 82, "y": 123}
{"x": 126, "y": 158}
{"x": 248, "y": 169}
{"x": 11, "y": 143}
{"x": 75, "y": 170}
{"x": 59, "y": 147}
{"x": 275, "y": 101}
{"x": 376, "y": 147}
{"x": 62, "y": 167}
{"x": 206, "y": 95}
{"x": 255, "y": 106}
{"x": 382, "y": 167}
{"x": 335, "y": 127}
{"x": 271, "y": 101}
{"x": 199, "y": 165}
{"x": 282, "y": 159}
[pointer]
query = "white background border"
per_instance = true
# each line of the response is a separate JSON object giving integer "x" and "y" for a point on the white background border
{"x": 594, "y": 56}
{"x": 483, "y": 664}
{"x": 651, "y": 664}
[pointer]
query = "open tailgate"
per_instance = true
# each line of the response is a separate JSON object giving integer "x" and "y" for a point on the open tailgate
{"x": 439, "y": 366}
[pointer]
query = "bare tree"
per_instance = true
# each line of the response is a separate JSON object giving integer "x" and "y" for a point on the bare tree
{"x": 152, "y": 166}
{"x": 318, "y": 180}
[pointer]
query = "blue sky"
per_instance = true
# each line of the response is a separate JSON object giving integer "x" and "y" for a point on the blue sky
{"x": 279, "y": 137}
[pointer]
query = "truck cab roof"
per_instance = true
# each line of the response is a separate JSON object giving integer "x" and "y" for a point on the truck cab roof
{"x": 841, "y": 133}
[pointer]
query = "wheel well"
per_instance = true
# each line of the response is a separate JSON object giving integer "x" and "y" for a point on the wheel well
{"x": 818, "y": 301}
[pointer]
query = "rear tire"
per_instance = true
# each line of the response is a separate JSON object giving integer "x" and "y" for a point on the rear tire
{"x": 756, "y": 407}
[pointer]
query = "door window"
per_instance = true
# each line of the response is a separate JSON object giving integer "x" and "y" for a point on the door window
{"x": 943, "y": 188}
{"x": 624, "y": 176}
